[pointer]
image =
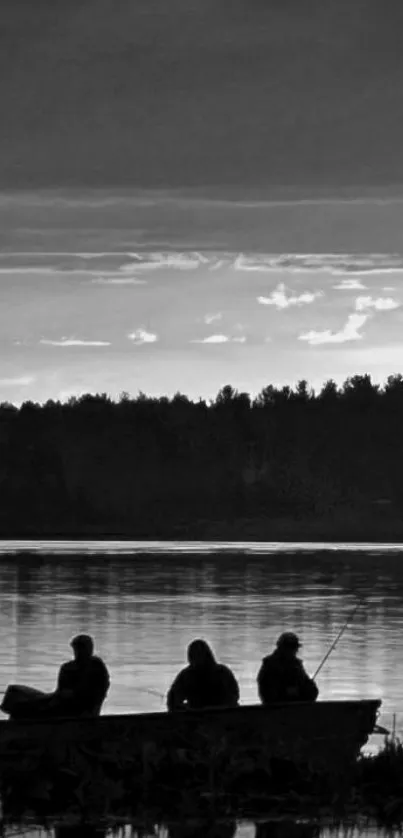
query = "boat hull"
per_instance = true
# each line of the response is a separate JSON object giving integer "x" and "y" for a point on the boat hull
{"x": 325, "y": 735}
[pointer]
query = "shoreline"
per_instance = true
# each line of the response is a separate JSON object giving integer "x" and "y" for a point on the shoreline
{"x": 368, "y": 792}
{"x": 242, "y": 530}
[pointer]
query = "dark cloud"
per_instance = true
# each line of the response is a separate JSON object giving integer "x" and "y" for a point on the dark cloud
{"x": 196, "y": 92}
{"x": 93, "y": 222}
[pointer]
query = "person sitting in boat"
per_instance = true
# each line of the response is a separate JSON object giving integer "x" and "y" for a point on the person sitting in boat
{"x": 282, "y": 676}
{"x": 204, "y": 683}
{"x": 82, "y": 686}
{"x": 82, "y": 683}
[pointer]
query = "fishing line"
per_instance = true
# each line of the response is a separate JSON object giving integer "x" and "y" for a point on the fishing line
{"x": 341, "y": 632}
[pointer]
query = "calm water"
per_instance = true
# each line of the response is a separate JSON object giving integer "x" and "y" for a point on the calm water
{"x": 143, "y": 604}
{"x": 144, "y": 607}
{"x": 284, "y": 829}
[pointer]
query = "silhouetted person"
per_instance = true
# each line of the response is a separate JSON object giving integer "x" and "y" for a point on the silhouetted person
{"x": 204, "y": 683}
{"x": 82, "y": 686}
{"x": 83, "y": 683}
{"x": 282, "y": 676}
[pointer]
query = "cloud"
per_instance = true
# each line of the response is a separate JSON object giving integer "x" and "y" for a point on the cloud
{"x": 155, "y": 261}
{"x": 350, "y": 332}
{"x": 119, "y": 266}
{"x": 104, "y": 267}
{"x": 211, "y": 45}
{"x": 255, "y": 263}
{"x": 212, "y": 318}
{"x": 334, "y": 263}
{"x": 350, "y": 285}
{"x": 19, "y": 381}
{"x": 220, "y": 339}
{"x": 377, "y": 303}
{"x": 140, "y": 336}
{"x": 354, "y": 322}
{"x": 119, "y": 280}
{"x": 74, "y": 342}
{"x": 212, "y": 339}
{"x": 216, "y": 265}
{"x": 279, "y": 298}
{"x": 25, "y": 270}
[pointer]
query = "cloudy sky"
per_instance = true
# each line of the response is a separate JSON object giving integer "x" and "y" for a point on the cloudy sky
{"x": 199, "y": 192}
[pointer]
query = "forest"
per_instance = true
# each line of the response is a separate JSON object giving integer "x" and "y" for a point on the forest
{"x": 289, "y": 463}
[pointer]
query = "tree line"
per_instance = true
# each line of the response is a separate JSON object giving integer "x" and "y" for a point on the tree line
{"x": 169, "y": 467}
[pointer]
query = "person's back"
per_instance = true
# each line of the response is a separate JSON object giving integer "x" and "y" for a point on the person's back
{"x": 83, "y": 683}
{"x": 282, "y": 676}
{"x": 82, "y": 686}
{"x": 204, "y": 683}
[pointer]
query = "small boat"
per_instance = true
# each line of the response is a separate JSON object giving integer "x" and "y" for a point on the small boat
{"x": 324, "y": 736}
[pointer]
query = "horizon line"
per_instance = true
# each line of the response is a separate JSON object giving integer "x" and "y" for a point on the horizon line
{"x": 125, "y": 395}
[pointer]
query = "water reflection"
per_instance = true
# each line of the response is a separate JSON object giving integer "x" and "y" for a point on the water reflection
{"x": 203, "y": 829}
{"x": 144, "y": 609}
{"x": 85, "y": 831}
{"x": 114, "y": 547}
{"x": 287, "y": 829}
{"x": 210, "y": 829}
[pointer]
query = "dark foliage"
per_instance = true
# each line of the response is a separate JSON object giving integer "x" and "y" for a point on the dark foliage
{"x": 149, "y": 467}
{"x": 91, "y": 794}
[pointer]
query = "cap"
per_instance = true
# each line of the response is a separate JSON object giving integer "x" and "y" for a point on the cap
{"x": 288, "y": 640}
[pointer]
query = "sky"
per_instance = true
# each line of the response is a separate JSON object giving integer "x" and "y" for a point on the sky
{"x": 197, "y": 193}
{"x": 196, "y": 93}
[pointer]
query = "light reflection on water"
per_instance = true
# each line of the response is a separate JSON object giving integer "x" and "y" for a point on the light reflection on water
{"x": 285, "y": 829}
{"x": 143, "y": 607}
{"x": 127, "y": 547}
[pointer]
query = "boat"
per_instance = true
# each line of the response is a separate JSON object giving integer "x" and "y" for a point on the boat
{"x": 324, "y": 736}
{"x": 137, "y": 762}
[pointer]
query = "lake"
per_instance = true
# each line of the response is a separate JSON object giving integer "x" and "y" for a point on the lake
{"x": 143, "y": 603}
{"x": 273, "y": 829}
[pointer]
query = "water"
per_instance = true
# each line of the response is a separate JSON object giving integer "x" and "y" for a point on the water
{"x": 144, "y": 603}
{"x": 229, "y": 829}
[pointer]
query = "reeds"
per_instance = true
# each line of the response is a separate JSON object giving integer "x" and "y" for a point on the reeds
{"x": 99, "y": 790}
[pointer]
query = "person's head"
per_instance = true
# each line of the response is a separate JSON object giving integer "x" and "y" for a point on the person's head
{"x": 83, "y": 647}
{"x": 200, "y": 654}
{"x": 288, "y": 643}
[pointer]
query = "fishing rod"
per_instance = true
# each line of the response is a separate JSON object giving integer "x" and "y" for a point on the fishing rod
{"x": 341, "y": 632}
{"x": 378, "y": 729}
{"x": 151, "y": 692}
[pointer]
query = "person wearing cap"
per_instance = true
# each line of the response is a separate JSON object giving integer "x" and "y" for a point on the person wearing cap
{"x": 204, "y": 683}
{"x": 282, "y": 676}
{"x": 82, "y": 683}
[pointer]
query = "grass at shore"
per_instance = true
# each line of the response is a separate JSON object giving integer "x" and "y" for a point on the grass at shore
{"x": 372, "y": 789}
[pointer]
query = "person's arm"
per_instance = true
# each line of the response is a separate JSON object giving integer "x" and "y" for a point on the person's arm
{"x": 104, "y": 681}
{"x": 266, "y": 688}
{"x": 63, "y": 679}
{"x": 177, "y": 693}
{"x": 308, "y": 690}
{"x": 231, "y": 687}
{"x": 107, "y": 680}
{"x": 94, "y": 683}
